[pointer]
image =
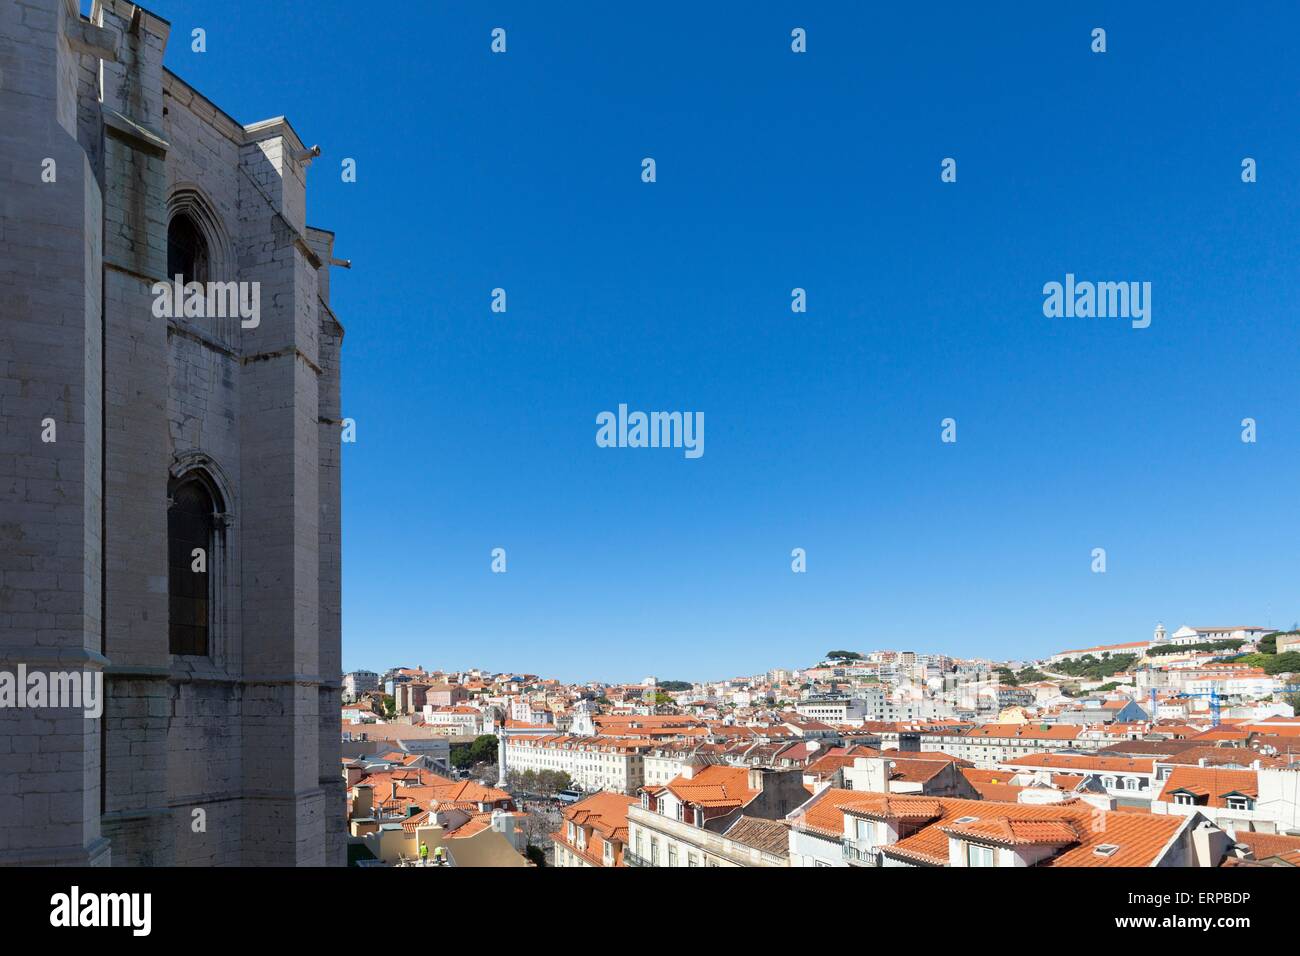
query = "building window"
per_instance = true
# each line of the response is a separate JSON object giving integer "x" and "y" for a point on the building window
{"x": 191, "y": 521}
{"x": 979, "y": 855}
{"x": 1184, "y": 799}
{"x": 187, "y": 250}
{"x": 672, "y": 854}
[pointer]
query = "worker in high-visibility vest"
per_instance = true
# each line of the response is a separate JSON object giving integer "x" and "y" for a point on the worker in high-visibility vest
{"x": 439, "y": 856}
{"x": 424, "y": 853}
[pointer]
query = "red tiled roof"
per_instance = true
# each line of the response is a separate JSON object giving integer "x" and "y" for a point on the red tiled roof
{"x": 1030, "y": 731}
{"x": 715, "y": 786}
{"x": 1084, "y": 762}
{"x": 1264, "y": 845}
{"x": 1211, "y": 784}
{"x": 1075, "y": 828}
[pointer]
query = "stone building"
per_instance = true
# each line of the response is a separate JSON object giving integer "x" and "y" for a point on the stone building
{"x": 169, "y": 484}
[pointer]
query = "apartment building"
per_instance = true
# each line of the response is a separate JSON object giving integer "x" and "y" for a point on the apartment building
{"x": 989, "y": 745}
{"x": 933, "y": 775}
{"x": 841, "y": 709}
{"x": 1265, "y": 800}
{"x": 848, "y": 828}
{"x": 459, "y": 720}
{"x": 1100, "y": 711}
{"x": 356, "y": 683}
{"x": 1131, "y": 781}
{"x": 666, "y": 761}
{"x": 715, "y": 816}
{"x": 373, "y": 739}
{"x": 1227, "y": 680}
{"x": 409, "y": 697}
{"x": 594, "y": 831}
{"x": 592, "y": 763}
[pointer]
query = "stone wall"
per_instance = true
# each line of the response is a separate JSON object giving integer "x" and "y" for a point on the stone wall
{"x": 50, "y": 493}
{"x": 249, "y": 734}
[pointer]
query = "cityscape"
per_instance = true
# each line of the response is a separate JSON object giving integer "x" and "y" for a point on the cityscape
{"x": 359, "y": 534}
{"x": 1182, "y": 750}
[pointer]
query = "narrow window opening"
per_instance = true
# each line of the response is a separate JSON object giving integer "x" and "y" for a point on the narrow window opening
{"x": 190, "y": 524}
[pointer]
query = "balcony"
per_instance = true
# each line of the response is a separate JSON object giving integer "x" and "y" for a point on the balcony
{"x": 858, "y": 855}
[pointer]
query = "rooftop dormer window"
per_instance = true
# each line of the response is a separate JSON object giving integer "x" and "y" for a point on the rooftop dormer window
{"x": 982, "y": 856}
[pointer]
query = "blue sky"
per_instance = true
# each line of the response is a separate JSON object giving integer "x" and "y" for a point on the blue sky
{"x": 776, "y": 170}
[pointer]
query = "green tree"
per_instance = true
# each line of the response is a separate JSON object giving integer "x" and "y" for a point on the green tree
{"x": 551, "y": 782}
{"x": 1091, "y": 668}
{"x": 1288, "y": 663}
{"x": 482, "y": 750}
{"x": 1163, "y": 649}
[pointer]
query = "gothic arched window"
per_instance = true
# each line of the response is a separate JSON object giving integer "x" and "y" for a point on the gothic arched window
{"x": 187, "y": 250}
{"x": 190, "y": 526}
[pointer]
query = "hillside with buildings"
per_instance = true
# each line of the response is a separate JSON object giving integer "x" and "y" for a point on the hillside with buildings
{"x": 1183, "y": 750}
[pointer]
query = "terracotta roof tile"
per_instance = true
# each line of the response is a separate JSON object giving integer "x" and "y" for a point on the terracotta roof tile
{"x": 1212, "y": 785}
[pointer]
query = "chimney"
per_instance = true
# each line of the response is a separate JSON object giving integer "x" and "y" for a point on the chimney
{"x": 756, "y": 778}
{"x": 365, "y": 805}
{"x": 1209, "y": 845}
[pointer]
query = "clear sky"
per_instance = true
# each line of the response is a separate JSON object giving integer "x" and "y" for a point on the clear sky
{"x": 775, "y": 170}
